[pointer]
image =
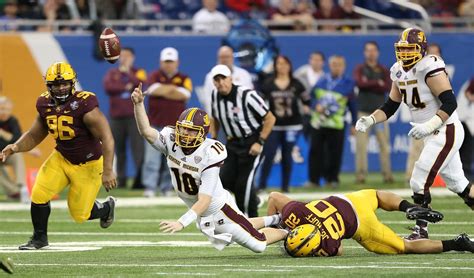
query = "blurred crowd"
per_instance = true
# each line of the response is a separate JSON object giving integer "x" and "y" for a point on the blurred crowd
{"x": 311, "y": 101}
{"x": 210, "y": 16}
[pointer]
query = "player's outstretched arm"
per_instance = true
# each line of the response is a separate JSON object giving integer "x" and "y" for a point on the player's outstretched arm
{"x": 383, "y": 113}
{"x": 27, "y": 141}
{"x": 99, "y": 127}
{"x": 143, "y": 124}
{"x": 209, "y": 181}
{"x": 189, "y": 217}
{"x": 276, "y": 202}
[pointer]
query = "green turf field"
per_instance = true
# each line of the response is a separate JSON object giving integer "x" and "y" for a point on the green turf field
{"x": 133, "y": 246}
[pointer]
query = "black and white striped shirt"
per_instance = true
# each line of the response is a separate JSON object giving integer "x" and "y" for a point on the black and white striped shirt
{"x": 240, "y": 113}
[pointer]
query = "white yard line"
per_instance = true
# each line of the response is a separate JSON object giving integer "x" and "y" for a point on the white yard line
{"x": 186, "y": 273}
{"x": 267, "y": 266}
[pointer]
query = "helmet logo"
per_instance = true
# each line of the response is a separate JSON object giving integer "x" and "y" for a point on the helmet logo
{"x": 421, "y": 37}
{"x": 206, "y": 120}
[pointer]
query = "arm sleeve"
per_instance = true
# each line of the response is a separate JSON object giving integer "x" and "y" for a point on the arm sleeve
{"x": 256, "y": 104}
{"x": 161, "y": 140}
{"x": 209, "y": 180}
{"x": 90, "y": 102}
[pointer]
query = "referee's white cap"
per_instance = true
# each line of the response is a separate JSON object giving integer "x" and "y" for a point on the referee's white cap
{"x": 221, "y": 70}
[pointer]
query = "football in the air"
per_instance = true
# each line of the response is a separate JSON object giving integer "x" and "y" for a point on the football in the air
{"x": 109, "y": 45}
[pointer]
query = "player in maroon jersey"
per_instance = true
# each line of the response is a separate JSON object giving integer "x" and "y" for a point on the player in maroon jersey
{"x": 82, "y": 159}
{"x": 353, "y": 216}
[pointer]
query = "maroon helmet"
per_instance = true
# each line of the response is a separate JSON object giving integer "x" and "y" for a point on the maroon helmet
{"x": 411, "y": 47}
{"x": 192, "y": 127}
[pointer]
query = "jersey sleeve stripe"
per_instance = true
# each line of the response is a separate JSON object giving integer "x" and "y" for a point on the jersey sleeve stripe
{"x": 218, "y": 164}
{"x": 433, "y": 72}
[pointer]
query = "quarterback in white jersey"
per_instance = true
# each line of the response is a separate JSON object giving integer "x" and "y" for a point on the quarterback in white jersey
{"x": 422, "y": 84}
{"x": 194, "y": 163}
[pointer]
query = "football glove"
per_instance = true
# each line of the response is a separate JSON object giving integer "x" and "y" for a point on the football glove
{"x": 365, "y": 123}
{"x": 419, "y": 131}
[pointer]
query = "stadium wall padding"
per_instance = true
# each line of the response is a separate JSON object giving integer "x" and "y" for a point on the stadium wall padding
{"x": 198, "y": 55}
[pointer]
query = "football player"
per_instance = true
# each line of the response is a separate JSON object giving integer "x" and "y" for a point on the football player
{"x": 82, "y": 159}
{"x": 421, "y": 82}
{"x": 353, "y": 216}
{"x": 194, "y": 162}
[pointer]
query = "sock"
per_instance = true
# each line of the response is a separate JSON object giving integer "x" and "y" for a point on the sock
{"x": 271, "y": 220}
{"x": 422, "y": 224}
{"x": 404, "y": 205}
{"x": 466, "y": 191}
{"x": 450, "y": 245}
{"x": 99, "y": 210}
{"x": 39, "y": 216}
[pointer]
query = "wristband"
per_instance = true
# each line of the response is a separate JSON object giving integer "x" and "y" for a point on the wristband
{"x": 187, "y": 218}
{"x": 373, "y": 118}
{"x": 261, "y": 141}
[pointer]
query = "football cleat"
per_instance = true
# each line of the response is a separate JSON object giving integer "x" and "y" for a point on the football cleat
{"x": 107, "y": 221}
{"x": 7, "y": 265}
{"x": 426, "y": 214}
{"x": 417, "y": 233}
{"x": 35, "y": 244}
{"x": 464, "y": 243}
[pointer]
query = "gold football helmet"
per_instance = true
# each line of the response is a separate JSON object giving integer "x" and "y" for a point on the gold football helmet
{"x": 411, "y": 46}
{"x": 303, "y": 240}
{"x": 192, "y": 128}
{"x": 61, "y": 81}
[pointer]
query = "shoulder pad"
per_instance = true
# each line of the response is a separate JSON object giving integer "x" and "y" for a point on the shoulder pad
{"x": 430, "y": 63}
{"x": 216, "y": 152}
{"x": 394, "y": 71}
{"x": 168, "y": 132}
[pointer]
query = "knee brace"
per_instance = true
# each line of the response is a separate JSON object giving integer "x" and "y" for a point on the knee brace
{"x": 469, "y": 201}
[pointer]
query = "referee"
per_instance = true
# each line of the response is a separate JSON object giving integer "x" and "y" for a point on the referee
{"x": 247, "y": 122}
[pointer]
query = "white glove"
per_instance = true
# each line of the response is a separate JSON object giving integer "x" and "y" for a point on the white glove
{"x": 419, "y": 131}
{"x": 364, "y": 123}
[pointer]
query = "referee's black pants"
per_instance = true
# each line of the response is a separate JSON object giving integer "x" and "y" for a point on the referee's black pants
{"x": 238, "y": 172}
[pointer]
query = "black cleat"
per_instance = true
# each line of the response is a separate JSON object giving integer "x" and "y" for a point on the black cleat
{"x": 426, "y": 214}
{"x": 35, "y": 244}
{"x": 7, "y": 265}
{"x": 417, "y": 233}
{"x": 464, "y": 243}
{"x": 107, "y": 221}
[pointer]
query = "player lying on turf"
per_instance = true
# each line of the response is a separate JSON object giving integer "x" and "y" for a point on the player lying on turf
{"x": 353, "y": 216}
{"x": 194, "y": 162}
